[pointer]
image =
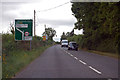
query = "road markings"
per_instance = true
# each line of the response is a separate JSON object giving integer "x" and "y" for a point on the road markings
{"x": 76, "y": 58}
{"x": 82, "y": 62}
{"x": 68, "y": 53}
{"x": 95, "y": 70}
{"x": 71, "y": 55}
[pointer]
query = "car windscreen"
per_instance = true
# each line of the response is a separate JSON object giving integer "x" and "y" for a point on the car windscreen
{"x": 74, "y": 44}
{"x": 64, "y": 41}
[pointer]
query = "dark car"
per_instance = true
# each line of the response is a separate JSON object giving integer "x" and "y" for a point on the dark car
{"x": 73, "y": 46}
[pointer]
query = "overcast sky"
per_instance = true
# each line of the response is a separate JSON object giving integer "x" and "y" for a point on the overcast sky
{"x": 61, "y": 18}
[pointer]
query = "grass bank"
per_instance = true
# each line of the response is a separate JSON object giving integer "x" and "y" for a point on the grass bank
{"x": 113, "y": 55}
{"x": 19, "y": 59}
{"x": 17, "y": 54}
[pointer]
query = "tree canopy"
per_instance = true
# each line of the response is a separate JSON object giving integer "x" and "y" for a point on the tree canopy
{"x": 50, "y": 32}
{"x": 100, "y": 23}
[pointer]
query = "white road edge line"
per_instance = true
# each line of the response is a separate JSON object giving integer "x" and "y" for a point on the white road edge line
{"x": 82, "y": 62}
{"x": 71, "y": 55}
{"x": 95, "y": 70}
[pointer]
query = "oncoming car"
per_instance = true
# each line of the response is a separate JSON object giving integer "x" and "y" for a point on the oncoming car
{"x": 73, "y": 46}
{"x": 64, "y": 43}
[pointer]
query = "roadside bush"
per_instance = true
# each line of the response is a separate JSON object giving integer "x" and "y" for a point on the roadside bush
{"x": 9, "y": 44}
{"x": 107, "y": 45}
{"x": 77, "y": 38}
{"x": 16, "y": 54}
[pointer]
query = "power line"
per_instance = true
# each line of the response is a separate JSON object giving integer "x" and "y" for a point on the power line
{"x": 53, "y": 7}
{"x": 44, "y": 11}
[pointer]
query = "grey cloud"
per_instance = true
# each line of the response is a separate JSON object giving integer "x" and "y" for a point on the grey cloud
{"x": 8, "y": 9}
{"x": 7, "y": 6}
{"x": 21, "y": 0}
{"x": 56, "y": 23}
{"x": 7, "y": 14}
{"x": 6, "y": 17}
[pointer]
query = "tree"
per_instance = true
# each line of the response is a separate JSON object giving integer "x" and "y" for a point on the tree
{"x": 72, "y": 33}
{"x": 50, "y": 33}
{"x": 12, "y": 30}
{"x": 68, "y": 34}
{"x": 100, "y": 23}
{"x": 63, "y": 36}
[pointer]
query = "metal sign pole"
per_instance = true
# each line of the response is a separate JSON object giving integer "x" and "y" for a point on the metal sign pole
{"x": 30, "y": 45}
{"x": 34, "y": 23}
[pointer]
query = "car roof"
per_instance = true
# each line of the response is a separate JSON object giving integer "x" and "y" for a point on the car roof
{"x": 64, "y": 40}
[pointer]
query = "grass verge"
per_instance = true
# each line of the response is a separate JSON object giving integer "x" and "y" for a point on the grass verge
{"x": 17, "y": 60}
{"x": 114, "y": 55}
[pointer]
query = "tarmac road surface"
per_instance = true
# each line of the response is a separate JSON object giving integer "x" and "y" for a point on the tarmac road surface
{"x": 58, "y": 62}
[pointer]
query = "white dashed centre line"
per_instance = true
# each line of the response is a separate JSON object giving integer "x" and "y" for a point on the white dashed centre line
{"x": 82, "y": 62}
{"x": 95, "y": 70}
{"x": 68, "y": 53}
{"x": 71, "y": 55}
{"x": 76, "y": 58}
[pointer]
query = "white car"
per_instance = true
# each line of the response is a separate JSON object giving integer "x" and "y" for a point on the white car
{"x": 64, "y": 43}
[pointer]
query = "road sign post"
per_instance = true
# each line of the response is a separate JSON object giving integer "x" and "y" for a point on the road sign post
{"x": 23, "y": 30}
{"x": 30, "y": 45}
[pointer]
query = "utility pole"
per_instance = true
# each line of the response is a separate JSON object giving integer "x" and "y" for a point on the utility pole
{"x": 45, "y": 26}
{"x": 45, "y": 29}
{"x": 34, "y": 23}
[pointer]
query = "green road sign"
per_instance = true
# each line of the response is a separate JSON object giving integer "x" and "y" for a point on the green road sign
{"x": 23, "y": 29}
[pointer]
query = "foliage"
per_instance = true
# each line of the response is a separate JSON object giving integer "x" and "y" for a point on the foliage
{"x": 12, "y": 30}
{"x": 77, "y": 38}
{"x": 18, "y": 60}
{"x": 101, "y": 25}
{"x": 16, "y": 55}
{"x": 9, "y": 44}
{"x": 57, "y": 42}
{"x": 50, "y": 33}
{"x": 68, "y": 34}
{"x": 63, "y": 36}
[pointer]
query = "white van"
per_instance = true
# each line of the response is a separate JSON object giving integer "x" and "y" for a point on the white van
{"x": 64, "y": 43}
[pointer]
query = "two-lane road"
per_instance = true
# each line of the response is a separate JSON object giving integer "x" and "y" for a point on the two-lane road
{"x": 57, "y": 62}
